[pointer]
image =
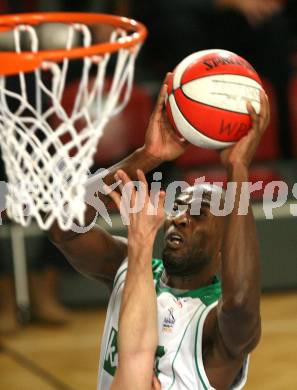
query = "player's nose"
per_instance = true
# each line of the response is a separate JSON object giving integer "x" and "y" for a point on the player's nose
{"x": 181, "y": 219}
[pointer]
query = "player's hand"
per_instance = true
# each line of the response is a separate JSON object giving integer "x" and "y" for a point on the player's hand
{"x": 255, "y": 11}
{"x": 244, "y": 150}
{"x": 161, "y": 141}
{"x": 143, "y": 215}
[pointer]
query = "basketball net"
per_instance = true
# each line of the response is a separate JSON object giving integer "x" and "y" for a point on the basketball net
{"x": 47, "y": 165}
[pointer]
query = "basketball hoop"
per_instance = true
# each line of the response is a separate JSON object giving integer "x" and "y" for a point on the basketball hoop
{"x": 46, "y": 164}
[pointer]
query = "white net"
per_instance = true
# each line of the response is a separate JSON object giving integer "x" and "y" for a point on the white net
{"x": 47, "y": 155}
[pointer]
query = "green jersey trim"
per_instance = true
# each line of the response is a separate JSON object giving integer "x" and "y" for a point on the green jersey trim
{"x": 158, "y": 269}
{"x": 207, "y": 294}
{"x": 195, "y": 353}
{"x": 157, "y": 266}
{"x": 119, "y": 275}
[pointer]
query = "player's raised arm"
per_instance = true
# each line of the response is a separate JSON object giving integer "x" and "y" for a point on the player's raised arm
{"x": 137, "y": 338}
{"x": 96, "y": 253}
{"x": 239, "y": 310}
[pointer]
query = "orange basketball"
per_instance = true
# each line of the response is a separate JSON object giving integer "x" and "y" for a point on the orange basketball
{"x": 207, "y": 96}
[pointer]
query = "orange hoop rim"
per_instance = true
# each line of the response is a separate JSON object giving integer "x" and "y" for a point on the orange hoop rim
{"x": 12, "y": 63}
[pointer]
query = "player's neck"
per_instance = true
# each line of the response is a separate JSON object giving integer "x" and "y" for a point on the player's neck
{"x": 190, "y": 282}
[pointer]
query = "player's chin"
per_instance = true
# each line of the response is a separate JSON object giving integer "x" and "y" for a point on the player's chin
{"x": 183, "y": 261}
{"x": 174, "y": 265}
{"x": 174, "y": 250}
{"x": 173, "y": 257}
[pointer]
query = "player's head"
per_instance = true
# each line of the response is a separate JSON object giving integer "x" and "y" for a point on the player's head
{"x": 193, "y": 236}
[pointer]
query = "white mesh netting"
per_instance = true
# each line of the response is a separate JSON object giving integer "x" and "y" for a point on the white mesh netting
{"x": 47, "y": 158}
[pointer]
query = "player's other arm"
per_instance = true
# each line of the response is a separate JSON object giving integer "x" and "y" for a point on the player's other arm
{"x": 96, "y": 253}
{"x": 137, "y": 338}
{"x": 239, "y": 310}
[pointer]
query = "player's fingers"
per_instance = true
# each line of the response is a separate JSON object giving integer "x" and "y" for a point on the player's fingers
{"x": 128, "y": 195}
{"x": 133, "y": 197}
{"x": 127, "y": 188}
{"x": 157, "y": 205}
{"x": 171, "y": 131}
{"x": 168, "y": 74}
{"x": 143, "y": 195}
{"x": 126, "y": 203}
{"x": 251, "y": 108}
{"x": 161, "y": 203}
{"x": 253, "y": 115}
{"x": 160, "y": 101}
{"x": 122, "y": 175}
{"x": 265, "y": 111}
{"x": 119, "y": 182}
{"x": 178, "y": 138}
{"x": 268, "y": 110}
{"x": 142, "y": 178}
{"x": 162, "y": 198}
{"x": 142, "y": 192}
{"x": 114, "y": 195}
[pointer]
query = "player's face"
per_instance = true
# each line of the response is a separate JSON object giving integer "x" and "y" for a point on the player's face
{"x": 191, "y": 241}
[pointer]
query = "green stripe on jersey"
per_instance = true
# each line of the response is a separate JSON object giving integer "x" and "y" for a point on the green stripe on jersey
{"x": 179, "y": 346}
{"x": 207, "y": 294}
{"x": 196, "y": 361}
{"x": 158, "y": 269}
{"x": 118, "y": 276}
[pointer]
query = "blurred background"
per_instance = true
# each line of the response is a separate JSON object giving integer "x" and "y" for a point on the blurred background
{"x": 54, "y": 343}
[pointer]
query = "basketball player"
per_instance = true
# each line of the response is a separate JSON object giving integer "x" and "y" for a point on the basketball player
{"x": 138, "y": 333}
{"x": 206, "y": 330}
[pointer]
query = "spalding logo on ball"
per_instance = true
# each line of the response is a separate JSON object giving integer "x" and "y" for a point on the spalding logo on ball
{"x": 207, "y": 96}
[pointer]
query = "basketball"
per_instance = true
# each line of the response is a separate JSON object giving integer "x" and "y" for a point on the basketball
{"x": 207, "y": 96}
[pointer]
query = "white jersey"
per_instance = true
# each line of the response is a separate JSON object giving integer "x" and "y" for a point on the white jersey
{"x": 181, "y": 317}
